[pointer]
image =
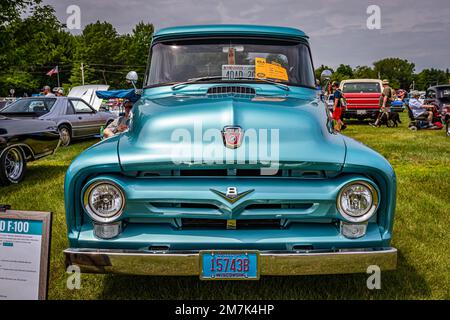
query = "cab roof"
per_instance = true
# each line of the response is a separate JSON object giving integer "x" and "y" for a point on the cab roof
{"x": 361, "y": 80}
{"x": 229, "y": 30}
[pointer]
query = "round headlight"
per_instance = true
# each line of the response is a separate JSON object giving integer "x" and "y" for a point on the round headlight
{"x": 357, "y": 201}
{"x": 104, "y": 201}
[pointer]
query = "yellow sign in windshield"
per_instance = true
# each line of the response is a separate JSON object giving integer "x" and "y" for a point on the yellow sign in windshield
{"x": 263, "y": 70}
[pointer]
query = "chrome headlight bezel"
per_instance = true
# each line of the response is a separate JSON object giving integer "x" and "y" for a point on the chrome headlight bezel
{"x": 91, "y": 212}
{"x": 369, "y": 212}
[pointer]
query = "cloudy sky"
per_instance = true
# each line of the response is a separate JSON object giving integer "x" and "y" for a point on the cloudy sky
{"x": 415, "y": 30}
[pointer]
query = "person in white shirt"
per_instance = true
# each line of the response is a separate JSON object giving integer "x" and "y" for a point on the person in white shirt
{"x": 47, "y": 91}
{"x": 419, "y": 109}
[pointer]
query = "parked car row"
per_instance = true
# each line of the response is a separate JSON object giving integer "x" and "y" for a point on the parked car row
{"x": 32, "y": 128}
{"x": 363, "y": 96}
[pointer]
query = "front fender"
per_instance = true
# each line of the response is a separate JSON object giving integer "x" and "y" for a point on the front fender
{"x": 362, "y": 159}
{"x": 101, "y": 157}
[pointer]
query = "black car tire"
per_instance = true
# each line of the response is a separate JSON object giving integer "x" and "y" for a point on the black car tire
{"x": 65, "y": 135}
{"x": 390, "y": 123}
{"x": 13, "y": 166}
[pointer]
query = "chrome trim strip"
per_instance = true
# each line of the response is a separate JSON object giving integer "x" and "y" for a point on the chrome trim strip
{"x": 186, "y": 263}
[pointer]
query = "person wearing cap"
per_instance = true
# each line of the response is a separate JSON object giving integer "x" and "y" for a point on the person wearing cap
{"x": 387, "y": 96}
{"x": 47, "y": 91}
{"x": 60, "y": 92}
{"x": 419, "y": 109}
{"x": 120, "y": 124}
{"x": 401, "y": 94}
{"x": 337, "y": 107}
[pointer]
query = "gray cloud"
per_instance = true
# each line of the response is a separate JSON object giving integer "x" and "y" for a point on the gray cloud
{"x": 417, "y": 31}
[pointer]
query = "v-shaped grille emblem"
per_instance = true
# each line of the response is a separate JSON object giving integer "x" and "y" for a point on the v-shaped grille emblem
{"x": 232, "y": 195}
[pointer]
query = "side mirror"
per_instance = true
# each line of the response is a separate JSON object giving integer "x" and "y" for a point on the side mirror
{"x": 326, "y": 75}
{"x": 132, "y": 77}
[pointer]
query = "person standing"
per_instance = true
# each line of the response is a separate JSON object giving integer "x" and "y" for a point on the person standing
{"x": 47, "y": 92}
{"x": 338, "y": 108}
{"x": 387, "y": 96}
{"x": 60, "y": 92}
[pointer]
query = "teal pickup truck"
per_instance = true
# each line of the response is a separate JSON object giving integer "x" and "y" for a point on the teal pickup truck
{"x": 230, "y": 169}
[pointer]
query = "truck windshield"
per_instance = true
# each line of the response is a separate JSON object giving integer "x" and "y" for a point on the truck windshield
{"x": 361, "y": 87}
{"x": 231, "y": 60}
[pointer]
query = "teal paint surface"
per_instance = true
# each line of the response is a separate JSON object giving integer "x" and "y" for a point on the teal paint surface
{"x": 306, "y": 144}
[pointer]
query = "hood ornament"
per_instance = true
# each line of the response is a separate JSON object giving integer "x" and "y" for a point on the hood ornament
{"x": 232, "y": 136}
{"x": 232, "y": 195}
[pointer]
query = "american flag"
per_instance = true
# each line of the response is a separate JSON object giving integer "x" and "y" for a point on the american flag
{"x": 53, "y": 71}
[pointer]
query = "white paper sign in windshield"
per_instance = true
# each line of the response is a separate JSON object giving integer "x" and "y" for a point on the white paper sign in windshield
{"x": 236, "y": 71}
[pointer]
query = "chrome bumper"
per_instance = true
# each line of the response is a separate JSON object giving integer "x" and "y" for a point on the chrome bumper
{"x": 275, "y": 263}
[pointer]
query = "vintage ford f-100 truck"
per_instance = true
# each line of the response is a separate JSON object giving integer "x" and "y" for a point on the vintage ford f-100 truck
{"x": 230, "y": 169}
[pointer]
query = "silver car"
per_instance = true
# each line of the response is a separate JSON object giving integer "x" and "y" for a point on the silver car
{"x": 74, "y": 117}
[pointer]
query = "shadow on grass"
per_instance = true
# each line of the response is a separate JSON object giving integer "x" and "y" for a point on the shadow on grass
{"x": 404, "y": 283}
{"x": 33, "y": 175}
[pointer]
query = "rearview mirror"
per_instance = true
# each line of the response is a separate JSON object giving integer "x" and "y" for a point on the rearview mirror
{"x": 132, "y": 77}
{"x": 236, "y": 48}
{"x": 326, "y": 75}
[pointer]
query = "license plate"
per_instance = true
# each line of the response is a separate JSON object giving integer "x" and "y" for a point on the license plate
{"x": 361, "y": 111}
{"x": 233, "y": 71}
{"x": 229, "y": 265}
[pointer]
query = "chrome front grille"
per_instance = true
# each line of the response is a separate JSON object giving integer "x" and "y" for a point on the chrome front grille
{"x": 220, "y": 224}
{"x": 234, "y": 173}
{"x": 217, "y": 209}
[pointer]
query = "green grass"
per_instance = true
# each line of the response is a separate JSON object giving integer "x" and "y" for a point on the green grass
{"x": 421, "y": 233}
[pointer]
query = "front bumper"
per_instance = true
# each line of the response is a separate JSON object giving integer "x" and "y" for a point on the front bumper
{"x": 186, "y": 263}
{"x": 361, "y": 113}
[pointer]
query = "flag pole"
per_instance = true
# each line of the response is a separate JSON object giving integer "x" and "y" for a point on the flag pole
{"x": 57, "y": 69}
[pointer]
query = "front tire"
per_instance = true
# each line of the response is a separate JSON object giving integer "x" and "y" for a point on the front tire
{"x": 13, "y": 166}
{"x": 65, "y": 135}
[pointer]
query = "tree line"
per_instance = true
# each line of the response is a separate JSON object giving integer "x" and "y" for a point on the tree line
{"x": 399, "y": 72}
{"x": 33, "y": 41}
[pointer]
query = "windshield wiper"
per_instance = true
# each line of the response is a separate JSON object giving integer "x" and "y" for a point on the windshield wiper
{"x": 194, "y": 80}
{"x": 280, "y": 85}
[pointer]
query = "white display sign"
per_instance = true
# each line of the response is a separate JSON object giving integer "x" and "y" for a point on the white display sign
{"x": 24, "y": 243}
{"x": 235, "y": 71}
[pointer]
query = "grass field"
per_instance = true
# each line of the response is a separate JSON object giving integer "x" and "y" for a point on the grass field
{"x": 421, "y": 233}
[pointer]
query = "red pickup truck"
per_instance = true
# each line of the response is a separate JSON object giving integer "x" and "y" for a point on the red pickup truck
{"x": 363, "y": 96}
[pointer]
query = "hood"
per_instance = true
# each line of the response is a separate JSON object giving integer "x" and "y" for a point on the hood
{"x": 186, "y": 130}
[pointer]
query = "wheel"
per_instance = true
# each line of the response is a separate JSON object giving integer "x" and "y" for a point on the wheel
{"x": 390, "y": 123}
{"x": 12, "y": 166}
{"x": 65, "y": 135}
{"x": 413, "y": 128}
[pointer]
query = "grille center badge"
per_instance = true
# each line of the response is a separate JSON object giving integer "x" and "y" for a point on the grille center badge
{"x": 232, "y": 136}
{"x": 232, "y": 195}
